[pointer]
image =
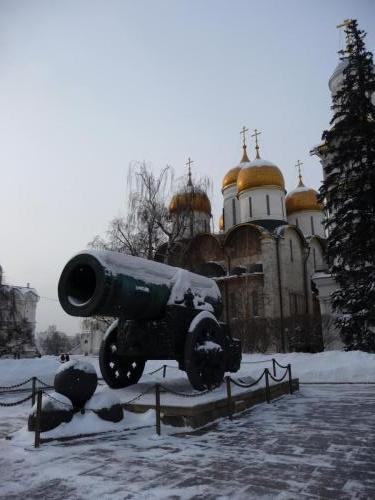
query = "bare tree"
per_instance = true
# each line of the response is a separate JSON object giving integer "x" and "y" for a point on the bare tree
{"x": 53, "y": 341}
{"x": 147, "y": 223}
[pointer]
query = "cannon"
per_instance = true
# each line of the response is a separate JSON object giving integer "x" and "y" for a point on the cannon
{"x": 160, "y": 312}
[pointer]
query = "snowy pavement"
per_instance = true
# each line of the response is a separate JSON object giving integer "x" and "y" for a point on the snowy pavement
{"x": 317, "y": 443}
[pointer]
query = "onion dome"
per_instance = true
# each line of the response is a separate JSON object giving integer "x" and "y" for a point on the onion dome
{"x": 221, "y": 223}
{"x": 338, "y": 75}
{"x": 186, "y": 201}
{"x": 302, "y": 198}
{"x": 259, "y": 173}
{"x": 230, "y": 177}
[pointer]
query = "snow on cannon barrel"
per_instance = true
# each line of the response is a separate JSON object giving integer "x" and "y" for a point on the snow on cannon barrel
{"x": 162, "y": 312}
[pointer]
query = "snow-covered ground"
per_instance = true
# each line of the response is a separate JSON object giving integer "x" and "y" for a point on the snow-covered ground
{"x": 131, "y": 462}
{"x": 317, "y": 443}
{"x": 330, "y": 366}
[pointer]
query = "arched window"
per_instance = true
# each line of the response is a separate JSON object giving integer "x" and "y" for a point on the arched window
{"x": 268, "y": 204}
{"x": 250, "y": 207}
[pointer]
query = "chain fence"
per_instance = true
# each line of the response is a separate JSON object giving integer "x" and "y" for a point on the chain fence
{"x": 15, "y": 403}
{"x": 15, "y": 386}
{"x": 37, "y": 393}
{"x": 239, "y": 383}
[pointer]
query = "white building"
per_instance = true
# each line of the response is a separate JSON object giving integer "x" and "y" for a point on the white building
{"x": 17, "y": 319}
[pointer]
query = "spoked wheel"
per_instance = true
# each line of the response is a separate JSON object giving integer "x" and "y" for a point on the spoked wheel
{"x": 118, "y": 371}
{"x": 204, "y": 354}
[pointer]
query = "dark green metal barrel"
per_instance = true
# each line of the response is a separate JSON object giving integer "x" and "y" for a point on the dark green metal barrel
{"x": 111, "y": 284}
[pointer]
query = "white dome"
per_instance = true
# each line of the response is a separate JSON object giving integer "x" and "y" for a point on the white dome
{"x": 337, "y": 76}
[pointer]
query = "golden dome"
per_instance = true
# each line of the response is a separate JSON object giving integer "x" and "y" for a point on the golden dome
{"x": 302, "y": 198}
{"x": 195, "y": 200}
{"x": 259, "y": 173}
{"x": 221, "y": 223}
{"x": 231, "y": 176}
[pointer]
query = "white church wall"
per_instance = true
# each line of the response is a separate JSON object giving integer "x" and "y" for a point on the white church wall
{"x": 231, "y": 207}
{"x": 315, "y": 260}
{"x": 310, "y": 222}
{"x": 271, "y": 284}
{"x": 259, "y": 208}
{"x": 292, "y": 272}
{"x": 326, "y": 286}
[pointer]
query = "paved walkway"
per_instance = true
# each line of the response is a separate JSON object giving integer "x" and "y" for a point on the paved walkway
{"x": 318, "y": 443}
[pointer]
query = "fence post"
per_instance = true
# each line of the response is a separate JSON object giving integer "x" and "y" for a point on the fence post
{"x": 268, "y": 396}
{"x": 290, "y": 378}
{"x": 164, "y": 370}
{"x": 157, "y": 408}
{"x": 274, "y": 367}
{"x": 37, "y": 418}
{"x": 33, "y": 387}
{"x": 229, "y": 397}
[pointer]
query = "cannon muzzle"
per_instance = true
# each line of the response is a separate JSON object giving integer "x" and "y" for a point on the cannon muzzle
{"x": 111, "y": 284}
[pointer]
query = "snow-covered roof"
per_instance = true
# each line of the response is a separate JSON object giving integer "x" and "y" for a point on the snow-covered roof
{"x": 300, "y": 189}
{"x": 260, "y": 162}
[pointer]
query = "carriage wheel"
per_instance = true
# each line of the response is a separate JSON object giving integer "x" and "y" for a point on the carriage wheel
{"x": 205, "y": 355}
{"x": 118, "y": 371}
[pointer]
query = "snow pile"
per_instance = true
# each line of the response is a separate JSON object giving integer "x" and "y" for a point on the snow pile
{"x": 15, "y": 371}
{"x": 86, "y": 424}
{"x": 329, "y": 366}
{"x": 77, "y": 365}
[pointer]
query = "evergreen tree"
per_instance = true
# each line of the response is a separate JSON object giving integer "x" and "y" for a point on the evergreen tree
{"x": 348, "y": 193}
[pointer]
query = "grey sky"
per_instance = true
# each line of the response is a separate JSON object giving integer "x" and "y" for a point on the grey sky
{"x": 88, "y": 86}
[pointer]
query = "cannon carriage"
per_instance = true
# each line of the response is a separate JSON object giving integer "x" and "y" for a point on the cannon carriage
{"x": 161, "y": 312}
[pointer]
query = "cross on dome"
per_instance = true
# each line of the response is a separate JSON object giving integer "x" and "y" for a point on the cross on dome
{"x": 347, "y": 24}
{"x": 243, "y": 133}
{"x": 255, "y": 134}
{"x": 245, "y": 158}
{"x": 299, "y": 165}
{"x": 189, "y": 163}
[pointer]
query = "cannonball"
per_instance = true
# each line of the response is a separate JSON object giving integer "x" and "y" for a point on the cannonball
{"x": 113, "y": 414}
{"x": 107, "y": 406}
{"x": 56, "y": 409}
{"x": 77, "y": 380}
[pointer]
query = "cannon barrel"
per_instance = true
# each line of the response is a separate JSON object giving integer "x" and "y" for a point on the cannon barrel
{"x": 113, "y": 284}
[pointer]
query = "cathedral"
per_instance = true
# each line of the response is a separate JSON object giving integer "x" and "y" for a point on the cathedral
{"x": 269, "y": 245}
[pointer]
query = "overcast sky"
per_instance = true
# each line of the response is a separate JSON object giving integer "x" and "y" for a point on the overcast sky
{"x": 86, "y": 87}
